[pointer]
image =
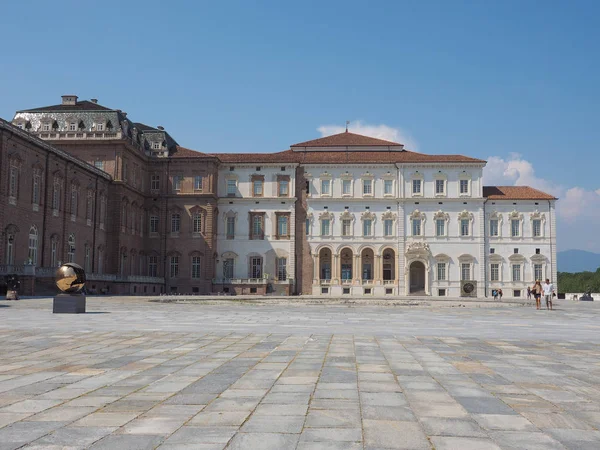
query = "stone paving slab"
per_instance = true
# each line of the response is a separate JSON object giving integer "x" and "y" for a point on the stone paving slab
{"x": 148, "y": 375}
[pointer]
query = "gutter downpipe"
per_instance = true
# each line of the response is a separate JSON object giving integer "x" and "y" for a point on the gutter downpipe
{"x": 485, "y": 253}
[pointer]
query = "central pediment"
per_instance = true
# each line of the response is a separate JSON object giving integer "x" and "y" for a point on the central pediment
{"x": 348, "y": 142}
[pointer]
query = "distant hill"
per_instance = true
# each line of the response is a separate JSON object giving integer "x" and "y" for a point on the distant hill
{"x": 577, "y": 261}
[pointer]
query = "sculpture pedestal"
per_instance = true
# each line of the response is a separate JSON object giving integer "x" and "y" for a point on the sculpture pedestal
{"x": 69, "y": 304}
{"x": 12, "y": 295}
{"x": 586, "y": 298}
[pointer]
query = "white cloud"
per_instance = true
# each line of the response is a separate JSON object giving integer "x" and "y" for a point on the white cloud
{"x": 377, "y": 131}
{"x": 578, "y": 209}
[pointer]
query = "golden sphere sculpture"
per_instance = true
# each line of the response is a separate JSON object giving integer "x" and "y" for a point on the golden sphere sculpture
{"x": 70, "y": 278}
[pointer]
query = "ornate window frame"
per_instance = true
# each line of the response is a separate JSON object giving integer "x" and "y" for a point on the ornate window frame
{"x": 465, "y": 258}
{"x": 226, "y": 216}
{"x": 539, "y": 259}
{"x": 417, "y": 215}
{"x": 464, "y": 175}
{"x": 195, "y": 211}
{"x": 326, "y": 215}
{"x": 536, "y": 215}
{"x": 232, "y": 177}
{"x": 515, "y": 215}
{"x": 495, "y": 215}
{"x": 517, "y": 259}
{"x": 367, "y": 177}
{"x": 347, "y": 215}
{"x": 441, "y": 215}
{"x": 368, "y": 215}
{"x": 325, "y": 176}
{"x": 495, "y": 258}
{"x": 346, "y": 176}
{"x": 413, "y": 177}
{"x": 389, "y": 176}
{"x": 389, "y": 215}
{"x": 465, "y": 215}
{"x": 443, "y": 177}
{"x": 445, "y": 259}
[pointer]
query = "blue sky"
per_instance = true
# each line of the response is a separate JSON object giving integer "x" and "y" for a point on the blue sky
{"x": 513, "y": 82}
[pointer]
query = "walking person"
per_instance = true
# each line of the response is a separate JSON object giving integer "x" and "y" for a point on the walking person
{"x": 548, "y": 293}
{"x": 537, "y": 294}
{"x": 528, "y": 293}
{"x": 500, "y": 293}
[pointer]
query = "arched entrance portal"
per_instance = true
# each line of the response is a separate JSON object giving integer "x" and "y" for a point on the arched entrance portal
{"x": 325, "y": 264}
{"x": 417, "y": 277}
{"x": 346, "y": 257}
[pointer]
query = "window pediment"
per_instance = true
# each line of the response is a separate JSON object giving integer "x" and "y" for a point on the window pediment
{"x": 515, "y": 215}
{"x": 442, "y": 257}
{"x": 536, "y": 215}
{"x": 466, "y": 258}
{"x": 368, "y": 215}
{"x": 516, "y": 257}
{"x": 388, "y": 215}
{"x": 466, "y": 215}
{"x": 229, "y": 255}
{"x": 495, "y": 258}
{"x": 326, "y": 216}
{"x": 346, "y": 215}
{"x": 347, "y": 176}
{"x": 416, "y": 214}
{"x": 441, "y": 215}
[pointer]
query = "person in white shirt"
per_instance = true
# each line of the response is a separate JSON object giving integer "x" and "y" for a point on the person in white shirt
{"x": 548, "y": 292}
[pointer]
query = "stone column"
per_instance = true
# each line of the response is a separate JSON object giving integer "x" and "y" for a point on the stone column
{"x": 335, "y": 268}
{"x": 356, "y": 269}
{"x": 378, "y": 269}
{"x": 315, "y": 269}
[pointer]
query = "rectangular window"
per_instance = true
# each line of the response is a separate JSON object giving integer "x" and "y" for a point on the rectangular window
{"x": 228, "y": 266}
{"x": 177, "y": 182}
{"x": 14, "y": 181}
{"x": 416, "y": 187}
{"x": 153, "y": 224}
{"x": 283, "y": 222}
{"x": 515, "y": 228}
{"x": 464, "y": 186}
{"x": 537, "y": 228}
{"x": 441, "y": 271}
{"x": 231, "y": 188}
{"x": 494, "y": 227}
{"x": 388, "y": 227}
{"x": 367, "y": 227}
{"x": 155, "y": 182}
{"x": 99, "y": 127}
{"x": 440, "y": 227}
{"x": 282, "y": 269}
{"x": 53, "y": 254}
{"x": 56, "y": 196}
{"x": 99, "y": 165}
{"x": 88, "y": 262}
{"x": 494, "y": 272}
{"x": 257, "y": 188}
{"x": 346, "y": 227}
{"x": 175, "y": 223}
{"x": 325, "y": 227}
{"x": 174, "y": 267}
{"x": 46, "y": 127}
{"x": 307, "y": 226}
{"x": 416, "y": 227}
{"x": 197, "y": 223}
{"x": 156, "y": 145}
{"x": 195, "y": 267}
{"x": 230, "y": 227}
{"x": 465, "y": 271}
{"x": 516, "y": 272}
{"x": 325, "y": 187}
{"x": 440, "y": 187}
{"x": 284, "y": 188}
{"x": 73, "y": 201}
{"x": 367, "y": 187}
{"x": 35, "y": 196}
{"x": 346, "y": 187}
{"x": 538, "y": 271}
{"x": 257, "y": 227}
{"x": 198, "y": 183}
{"x": 464, "y": 227}
{"x": 256, "y": 267}
{"x": 388, "y": 187}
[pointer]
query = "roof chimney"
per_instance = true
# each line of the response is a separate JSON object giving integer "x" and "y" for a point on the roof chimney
{"x": 94, "y": 100}
{"x": 69, "y": 99}
{"x": 160, "y": 127}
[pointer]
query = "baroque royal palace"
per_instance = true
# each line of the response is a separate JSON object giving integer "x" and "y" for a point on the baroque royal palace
{"x": 340, "y": 215}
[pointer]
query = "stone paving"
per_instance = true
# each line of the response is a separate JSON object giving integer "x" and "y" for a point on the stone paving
{"x": 137, "y": 375}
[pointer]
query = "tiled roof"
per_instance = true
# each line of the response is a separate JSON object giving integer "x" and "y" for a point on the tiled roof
{"x": 83, "y": 105}
{"x": 515, "y": 193}
{"x": 288, "y": 156}
{"x": 182, "y": 152}
{"x": 347, "y": 139}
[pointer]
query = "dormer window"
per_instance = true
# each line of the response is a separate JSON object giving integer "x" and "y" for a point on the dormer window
{"x": 20, "y": 125}
{"x": 46, "y": 127}
{"x": 72, "y": 126}
{"x": 99, "y": 127}
{"x": 156, "y": 145}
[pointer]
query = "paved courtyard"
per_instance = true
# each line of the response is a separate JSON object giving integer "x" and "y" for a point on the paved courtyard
{"x": 133, "y": 374}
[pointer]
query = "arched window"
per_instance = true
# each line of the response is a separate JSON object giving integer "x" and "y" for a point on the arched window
{"x": 33, "y": 245}
{"x": 71, "y": 249}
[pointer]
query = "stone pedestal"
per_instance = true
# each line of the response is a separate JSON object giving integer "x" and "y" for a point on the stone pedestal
{"x": 12, "y": 295}
{"x": 69, "y": 304}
